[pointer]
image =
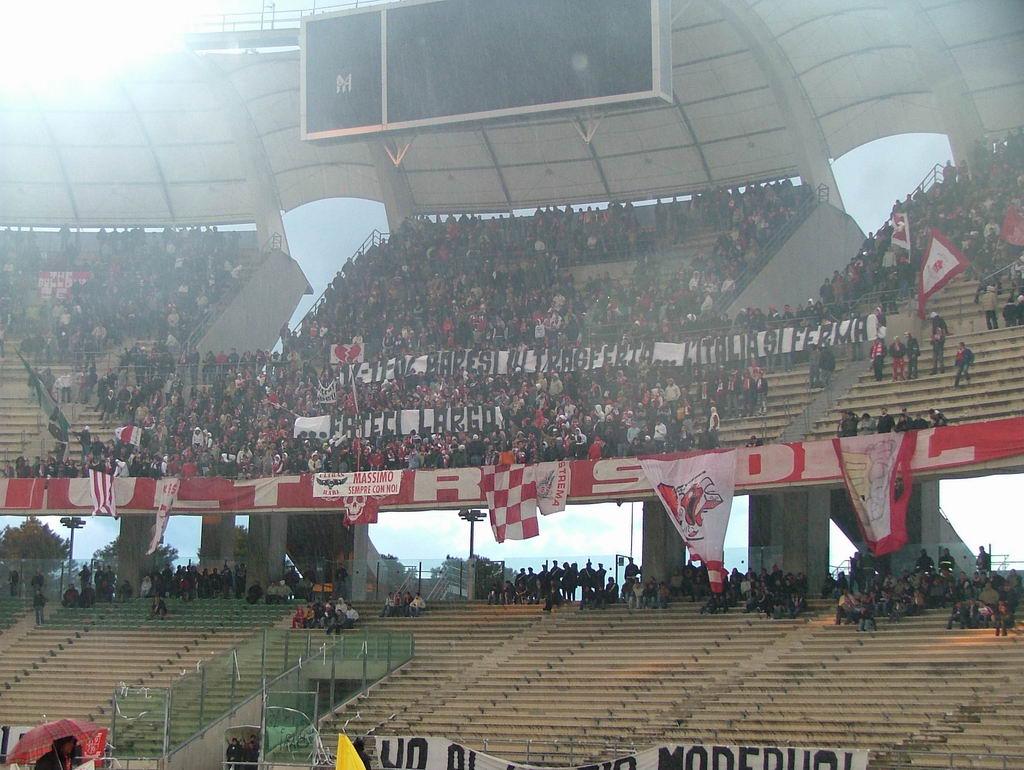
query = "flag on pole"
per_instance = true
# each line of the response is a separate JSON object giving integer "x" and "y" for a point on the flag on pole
{"x": 129, "y": 434}
{"x": 1013, "y": 226}
{"x": 901, "y": 231}
{"x": 59, "y": 426}
{"x": 697, "y": 494}
{"x": 942, "y": 263}
{"x": 877, "y": 474}
{"x": 166, "y": 495}
{"x": 347, "y": 758}
{"x": 101, "y": 485}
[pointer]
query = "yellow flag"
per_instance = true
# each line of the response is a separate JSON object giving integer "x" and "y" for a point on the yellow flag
{"x": 348, "y": 758}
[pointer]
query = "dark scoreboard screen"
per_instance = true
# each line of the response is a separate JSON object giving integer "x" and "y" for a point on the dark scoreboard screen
{"x": 419, "y": 63}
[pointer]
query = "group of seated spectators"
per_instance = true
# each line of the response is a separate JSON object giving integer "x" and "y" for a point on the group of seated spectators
{"x": 852, "y": 425}
{"x": 332, "y": 616}
{"x": 128, "y": 284}
{"x": 399, "y": 605}
{"x": 985, "y": 600}
{"x": 473, "y": 282}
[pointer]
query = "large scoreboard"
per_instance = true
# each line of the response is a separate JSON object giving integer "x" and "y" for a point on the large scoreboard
{"x": 428, "y": 62}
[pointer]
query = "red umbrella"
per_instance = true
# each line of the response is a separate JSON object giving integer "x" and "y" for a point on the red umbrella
{"x": 39, "y": 740}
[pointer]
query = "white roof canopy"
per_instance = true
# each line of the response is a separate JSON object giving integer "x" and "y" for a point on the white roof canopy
{"x": 756, "y": 84}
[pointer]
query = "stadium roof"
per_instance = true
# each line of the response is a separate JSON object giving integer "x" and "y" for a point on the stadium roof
{"x": 760, "y": 88}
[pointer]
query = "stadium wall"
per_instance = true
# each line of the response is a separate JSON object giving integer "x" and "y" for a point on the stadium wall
{"x": 824, "y": 242}
{"x": 253, "y": 318}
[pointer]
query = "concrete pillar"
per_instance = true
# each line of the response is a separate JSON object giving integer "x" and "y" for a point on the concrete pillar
{"x": 394, "y": 187}
{"x": 358, "y": 564}
{"x": 132, "y": 542}
{"x": 790, "y": 528}
{"x": 267, "y": 533}
{"x": 663, "y": 548}
{"x": 217, "y": 540}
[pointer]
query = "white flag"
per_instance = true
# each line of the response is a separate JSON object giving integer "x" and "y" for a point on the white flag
{"x": 166, "y": 495}
{"x": 313, "y": 427}
{"x": 101, "y": 485}
{"x": 697, "y": 494}
{"x": 553, "y": 481}
{"x": 942, "y": 263}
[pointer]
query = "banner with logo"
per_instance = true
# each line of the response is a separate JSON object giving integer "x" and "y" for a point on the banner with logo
{"x": 358, "y": 494}
{"x": 57, "y": 283}
{"x": 942, "y": 263}
{"x": 699, "y": 351}
{"x": 697, "y": 494}
{"x": 424, "y": 753}
{"x": 347, "y": 354}
{"x": 422, "y": 422}
{"x": 877, "y": 473}
{"x": 335, "y": 486}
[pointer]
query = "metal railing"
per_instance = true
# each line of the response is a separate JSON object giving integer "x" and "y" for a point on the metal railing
{"x": 372, "y": 241}
{"x": 157, "y": 721}
{"x": 269, "y": 18}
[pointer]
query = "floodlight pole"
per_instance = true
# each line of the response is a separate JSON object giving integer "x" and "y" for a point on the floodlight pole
{"x": 472, "y": 516}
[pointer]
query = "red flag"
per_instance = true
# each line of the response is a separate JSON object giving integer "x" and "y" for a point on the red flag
{"x": 1013, "y": 226}
{"x": 942, "y": 263}
{"x": 878, "y": 478}
{"x": 128, "y": 434}
{"x": 102, "y": 487}
{"x": 901, "y": 231}
{"x": 512, "y": 501}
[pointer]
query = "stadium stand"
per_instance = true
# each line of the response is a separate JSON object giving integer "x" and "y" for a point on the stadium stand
{"x": 580, "y": 685}
{"x": 114, "y": 285}
{"x": 72, "y": 653}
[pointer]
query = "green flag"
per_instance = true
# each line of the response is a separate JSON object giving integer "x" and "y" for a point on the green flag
{"x": 59, "y": 426}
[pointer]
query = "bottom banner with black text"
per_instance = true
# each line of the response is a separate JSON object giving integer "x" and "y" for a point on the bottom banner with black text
{"x": 422, "y": 753}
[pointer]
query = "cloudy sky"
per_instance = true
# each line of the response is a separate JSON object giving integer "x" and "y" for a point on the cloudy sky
{"x": 323, "y": 234}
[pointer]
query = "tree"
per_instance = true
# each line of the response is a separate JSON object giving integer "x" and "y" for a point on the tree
{"x": 165, "y": 555}
{"x": 32, "y": 540}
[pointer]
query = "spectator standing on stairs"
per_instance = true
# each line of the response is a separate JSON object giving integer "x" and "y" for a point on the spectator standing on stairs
{"x": 989, "y": 302}
{"x": 878, "y": 357}
{"x": 964, "y": 359}
{"x": 898, "y": 351}
{"x": 939, "y": 333}
{"x": 913, "y": 354}
{"x": 38, "y": 603}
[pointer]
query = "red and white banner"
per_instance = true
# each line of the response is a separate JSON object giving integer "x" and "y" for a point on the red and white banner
{"x": 553, "y": 482}
{"x": 347, "y": 354}
{"x": 512, "y": 500}
{"x": 939, "y": 451}
{"x": 878, "y": 477}
{"x": 58, "y": 283}
{"x": 1013, "y": 226}
{"x": 102, "y": 487}
{"x": 942, "y": 263}
{"x": 128, "y": 434}
{"x": 167, "y": 494}
{"x": 359, "y": 494}
{"x": 697, "y": 494}
{"x": 901, "y": 231}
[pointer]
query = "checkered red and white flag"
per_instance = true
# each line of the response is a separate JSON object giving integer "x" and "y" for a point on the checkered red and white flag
{"x": 102, "y": 487}
{"x": 512, "y": 501}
